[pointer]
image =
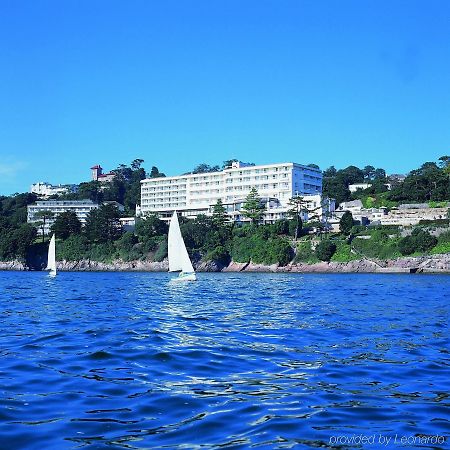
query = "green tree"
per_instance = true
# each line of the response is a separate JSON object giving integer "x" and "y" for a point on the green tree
{"x": 346, "y": 223}
{"x": 297, "y": 207}
{"x": 253, "y": 209}
{"x": 220, "y": 216}
{"x": 325, "y": 250}
{"x": 149, "y": 227}
{"x": 45, "y": 217}
{"x": 155, "y": 173}
{"x": 368, "y": 172}
{"x": 281, "y": 227}
{"x": 195, "y": 232}
{"x": 66, "y": 224}
{"x": 91, "y": 190}
{"x": 423, "y": 239}
{"x": 407, "y": 245}
{"x": 103, "y": 224}
{"x": 136, "y": 163}
{"x": 419, "y": 240}
{"x": 330, "y": 172}
{"x": 227, "y": 164}
{"x": 74, "y": 248}
{"x": 205, "y": 168}
{"x": 379, "y": 174}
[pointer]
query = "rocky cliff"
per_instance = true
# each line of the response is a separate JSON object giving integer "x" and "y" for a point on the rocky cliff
{"x": 433, "y": 263}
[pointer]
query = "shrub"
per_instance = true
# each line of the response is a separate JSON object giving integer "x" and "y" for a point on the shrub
{"x": 150, "y": 227}
{"x": 161, "y": 251}
{"x": 346, "y": 222}
{"x": 407, "y": 246}
{"x": 358, "y": 229}
{"x": 281, "y": 226}
{"x": 279, "y": 251}
{"x": 420, "y": 240}
{"x": 74, "y": 248}
{"x": 260, "y": 250}
{"x": 241, "y": 249}
{"x": 378, "y": 246}
{"x": 441, "y": 247}
{"x": 343, "y": 253}
{"x": 127, "y": 248}
{"x": 423, "y": 239}
{"x": 325, "y": 250}
{"x": 104, "y": 252}
{"x": 152, "y": 244}
{"x": 305, "y": 253}
{"x": 219, "y": 254}
{"x": 444, "y": 237}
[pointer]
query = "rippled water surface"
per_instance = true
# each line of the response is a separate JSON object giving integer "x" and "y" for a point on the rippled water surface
{"x": 131, "y": 360}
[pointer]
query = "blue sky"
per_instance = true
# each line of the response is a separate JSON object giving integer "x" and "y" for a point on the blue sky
{"x": 178, "y": 83}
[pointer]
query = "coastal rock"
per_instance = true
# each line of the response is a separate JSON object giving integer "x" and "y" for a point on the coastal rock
{"x": 114, "y": 266}
{"x": 209, "y": 266}
{"x": 431, "y": 263}
{"x": 12, "y": 265}
{"x": 235, "y": 267}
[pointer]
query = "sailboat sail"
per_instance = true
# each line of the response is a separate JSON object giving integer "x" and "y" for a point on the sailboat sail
{"x": 51, "y": 261}
{"x": 178, "y": 255}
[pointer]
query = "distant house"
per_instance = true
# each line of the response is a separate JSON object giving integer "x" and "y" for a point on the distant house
{"x": 98, "y": 175}
{"x": 362, "y": 186}
{"x": 409, "y": 214}
{"x": 80, "y": 207}
{"x": 45, "y": 190}
{"x": 128, "y": 223}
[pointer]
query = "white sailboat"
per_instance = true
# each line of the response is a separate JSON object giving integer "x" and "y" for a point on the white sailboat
{"x": 51, "y": 260}
{"x": 178, "y": 256}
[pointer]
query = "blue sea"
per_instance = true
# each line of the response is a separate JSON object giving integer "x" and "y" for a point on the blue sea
{"x": 135, "y": 361}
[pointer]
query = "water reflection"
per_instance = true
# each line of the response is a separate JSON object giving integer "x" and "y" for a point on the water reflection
{"x": 239, "y": 360}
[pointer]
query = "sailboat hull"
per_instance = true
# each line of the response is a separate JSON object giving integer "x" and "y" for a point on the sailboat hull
{"x": 51, "y": 260}
{"x": 177, "y": 254}
{"x": 185, "y": 277}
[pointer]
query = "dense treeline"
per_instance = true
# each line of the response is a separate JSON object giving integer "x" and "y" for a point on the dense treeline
{"x": 430, "y": 182}
{"x": 125, "y": 188}
{"x": 16, "y": 235}
{"x": 215, "y": 238}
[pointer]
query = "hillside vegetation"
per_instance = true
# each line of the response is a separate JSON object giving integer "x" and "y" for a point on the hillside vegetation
{"x": 215, "y": 239}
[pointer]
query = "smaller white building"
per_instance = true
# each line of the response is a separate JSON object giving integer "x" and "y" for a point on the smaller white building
{"x": 44, "y": 189}
{"x": 362, "y": 186}
{"x": 404, "y": 215}
{"x": 128, "y": 223}
{"x": 80, "y": 207}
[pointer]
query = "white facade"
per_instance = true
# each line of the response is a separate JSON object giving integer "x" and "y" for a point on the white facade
{"x": 80, "y": 207}
{"x": 355, "y": 187}
{"x": 195, "y": 194}
{"x": 128, "y": 223}
{"x": 46, "y": 189}
{"x": 404, "y": 215}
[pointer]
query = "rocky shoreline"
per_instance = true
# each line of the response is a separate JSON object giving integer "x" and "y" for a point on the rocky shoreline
{"x": 422, "y": 264}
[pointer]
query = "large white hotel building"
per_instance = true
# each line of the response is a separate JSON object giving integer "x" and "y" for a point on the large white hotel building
{"x": 195, "y": 194}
